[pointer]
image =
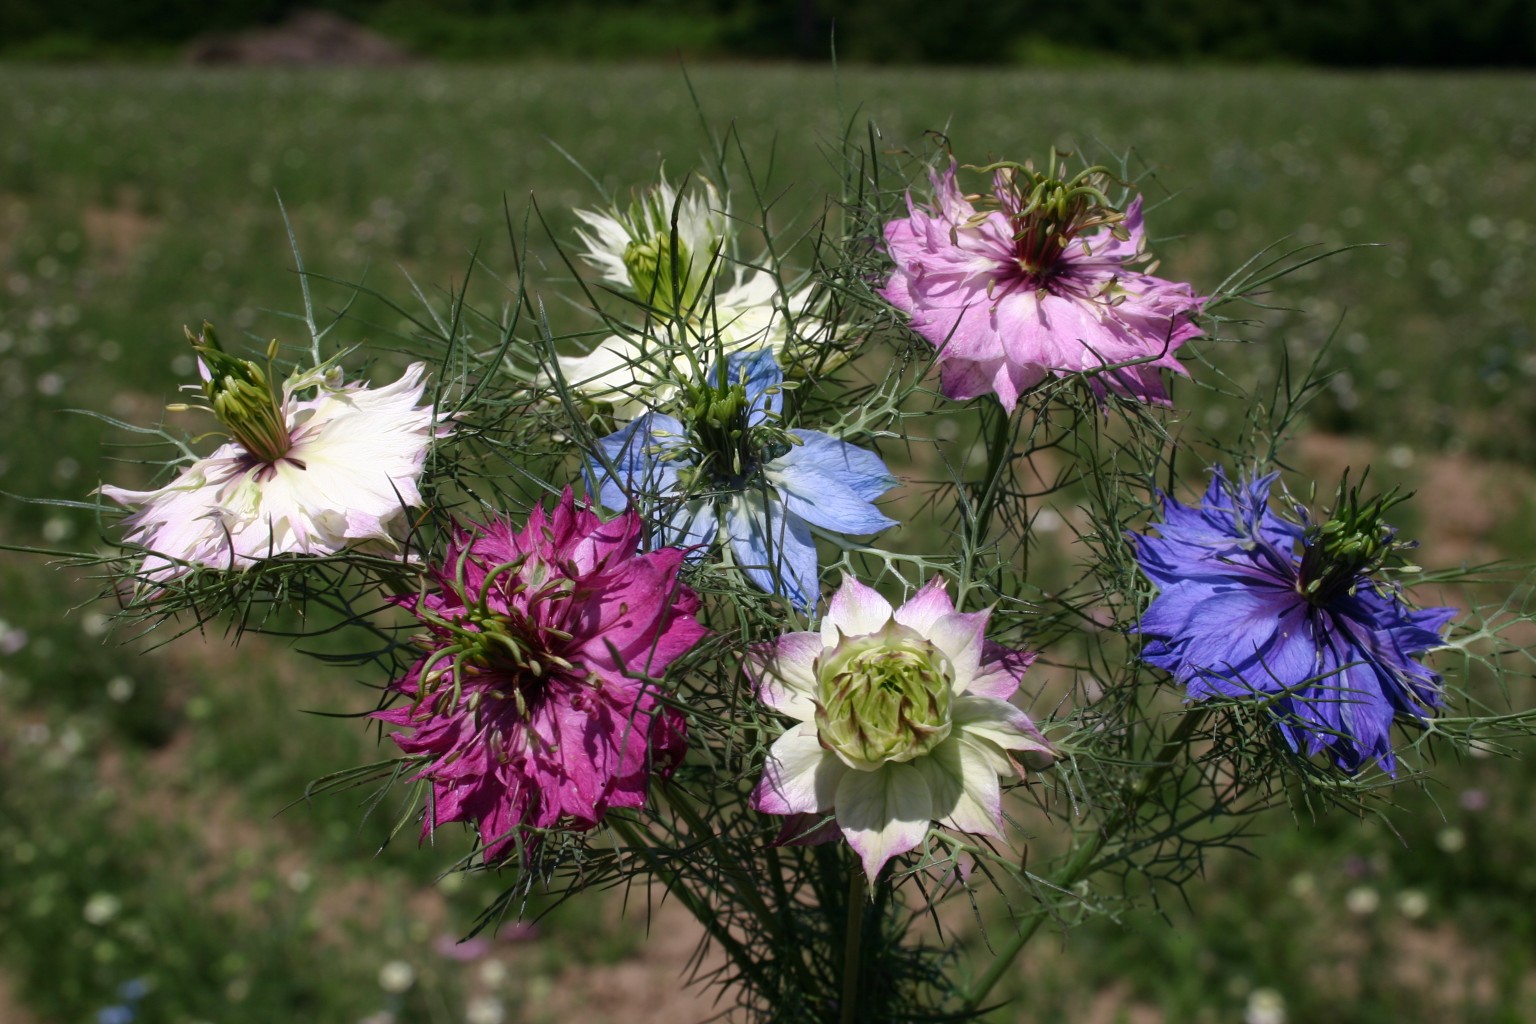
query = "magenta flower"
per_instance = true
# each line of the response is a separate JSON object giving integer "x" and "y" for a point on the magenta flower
{"x": 531, "y": 704}
{"x": 1036, "y": 283}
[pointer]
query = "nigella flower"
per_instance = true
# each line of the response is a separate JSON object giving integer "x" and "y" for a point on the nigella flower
{"x": 1036, "y": 282}
{"x": 664, "y": 249}
{"x": 731, "y": 466}
{"x": 1255, "y": 606}
{"x": 531, "y": 704}
{"x": 306, "y": 476}
{"x": 631, "y": 373}
{"x": 902, "y": 720}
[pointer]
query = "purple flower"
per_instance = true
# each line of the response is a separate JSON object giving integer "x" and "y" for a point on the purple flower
{"x": 1036, "y": 284}
{"x": 1256, "y": 606}
{"x": 529, "y": 705}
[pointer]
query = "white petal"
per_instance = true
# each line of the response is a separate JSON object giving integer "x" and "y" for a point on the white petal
{"x": 883, "y": 813}
{"x": 799, "y": 777}
{"x": 856, "y": 610}
{"x": 997, "y": 721}
{"x": 605, "y": 246}
{"x": 962, "y": 779}
{"x": 353, "y": 469}
{"x": 783, "y": 668}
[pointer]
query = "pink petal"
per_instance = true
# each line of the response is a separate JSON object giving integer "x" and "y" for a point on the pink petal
{"x": 926, "y": 606}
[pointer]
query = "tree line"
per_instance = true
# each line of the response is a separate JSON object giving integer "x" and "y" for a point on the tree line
{"x": 1339, "y": 33}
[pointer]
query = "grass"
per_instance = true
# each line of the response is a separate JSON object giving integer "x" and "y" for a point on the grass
{"x": 133, "y": 201}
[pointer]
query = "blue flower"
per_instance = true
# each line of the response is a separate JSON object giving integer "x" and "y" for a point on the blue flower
{"x": 731, "y": 465}
{"x": 1252, "y": 605}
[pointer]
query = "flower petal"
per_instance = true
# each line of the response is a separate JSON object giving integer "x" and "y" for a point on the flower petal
{"x": 799, "y": 777}
{"x": 856, "y": 610}
{"x": 998, "y": 722}
{"x": 631, "y": 463}
{"x": 963, "y": 784}
{"x": 773, "y": 548}
{"x": 927, "y": 606}
{"x": 883, "y": 813}
{"x": 784, "y": 672}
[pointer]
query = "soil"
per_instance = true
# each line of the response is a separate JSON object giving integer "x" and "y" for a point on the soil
{"x": 306, "y": 39}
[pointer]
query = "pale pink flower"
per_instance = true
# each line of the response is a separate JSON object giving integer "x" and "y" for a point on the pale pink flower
{"x": 532, "y": 704}
{"x": 1035, "y": 283}
{"x": 902, "y": 720}
{"x": 338, "y": 470}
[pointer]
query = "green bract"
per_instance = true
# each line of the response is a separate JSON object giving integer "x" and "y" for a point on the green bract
{"x": 884, "y": 697}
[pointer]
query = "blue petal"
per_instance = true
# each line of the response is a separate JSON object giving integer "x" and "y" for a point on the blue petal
{"x": 632, "y": 453}
{"x": 863, "y": 471}
{"x": 1228, "y": 526}
{"x": 693, "y": 528}
{"x": 826, "y": 483}
{"x": 774, "y": 548}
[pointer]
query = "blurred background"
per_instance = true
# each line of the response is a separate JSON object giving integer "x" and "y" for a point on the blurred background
{"x": 156, "y": 860}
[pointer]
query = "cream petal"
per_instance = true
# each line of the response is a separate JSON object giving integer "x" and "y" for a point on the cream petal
{"x": 962, "y": 779}
{"x": 883, "y": 813}
{"x": 856, "y": 610}
{"x": 998, "y": 722}
{"x": 799, "y": 777}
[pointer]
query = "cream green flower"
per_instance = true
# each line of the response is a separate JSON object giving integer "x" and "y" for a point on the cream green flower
{"x": 633, "y": 373}
{"x": 664, "y": 249}
{"x": 902, "y": 720}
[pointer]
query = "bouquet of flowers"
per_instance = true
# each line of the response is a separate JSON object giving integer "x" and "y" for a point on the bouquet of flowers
{"x": 827, "y": 577}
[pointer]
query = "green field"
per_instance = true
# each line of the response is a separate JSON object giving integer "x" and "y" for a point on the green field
{"x": 146, "y": 832}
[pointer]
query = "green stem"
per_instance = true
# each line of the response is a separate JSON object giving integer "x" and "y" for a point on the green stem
{"x": 853, "y": 936}
{"x": 999, "y": 456}
{"x": 745, "y": 884}
{"x": 1084, "y": 860}
{"x": 700, "y": 910}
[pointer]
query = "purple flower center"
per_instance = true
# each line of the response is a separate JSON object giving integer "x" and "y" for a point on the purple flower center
{"x": 1048, "y": 211}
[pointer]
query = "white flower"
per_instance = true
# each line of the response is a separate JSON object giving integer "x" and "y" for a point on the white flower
{"x": 903, "y": 719}
{"x": 664, "y": 248}
{"x": 633, "y": 374}
{"x": 397, "y": 977}
{"x": 303, "y": 476}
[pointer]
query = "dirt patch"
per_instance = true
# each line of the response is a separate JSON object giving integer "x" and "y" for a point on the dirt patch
{"x": 649, "y": 986}
{"x": 11, "y": 1010}
{"x": 116, "y": 233}
{"x": 308, "y": 38}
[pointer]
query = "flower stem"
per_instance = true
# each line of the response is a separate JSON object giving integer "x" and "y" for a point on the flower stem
{"x": 744, "y": 884}
{"x": 999, "y": 456}
{"x": 1085, "y": 859}
{"x": 699, "y": 908}
{"x": 853, "y": 936}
